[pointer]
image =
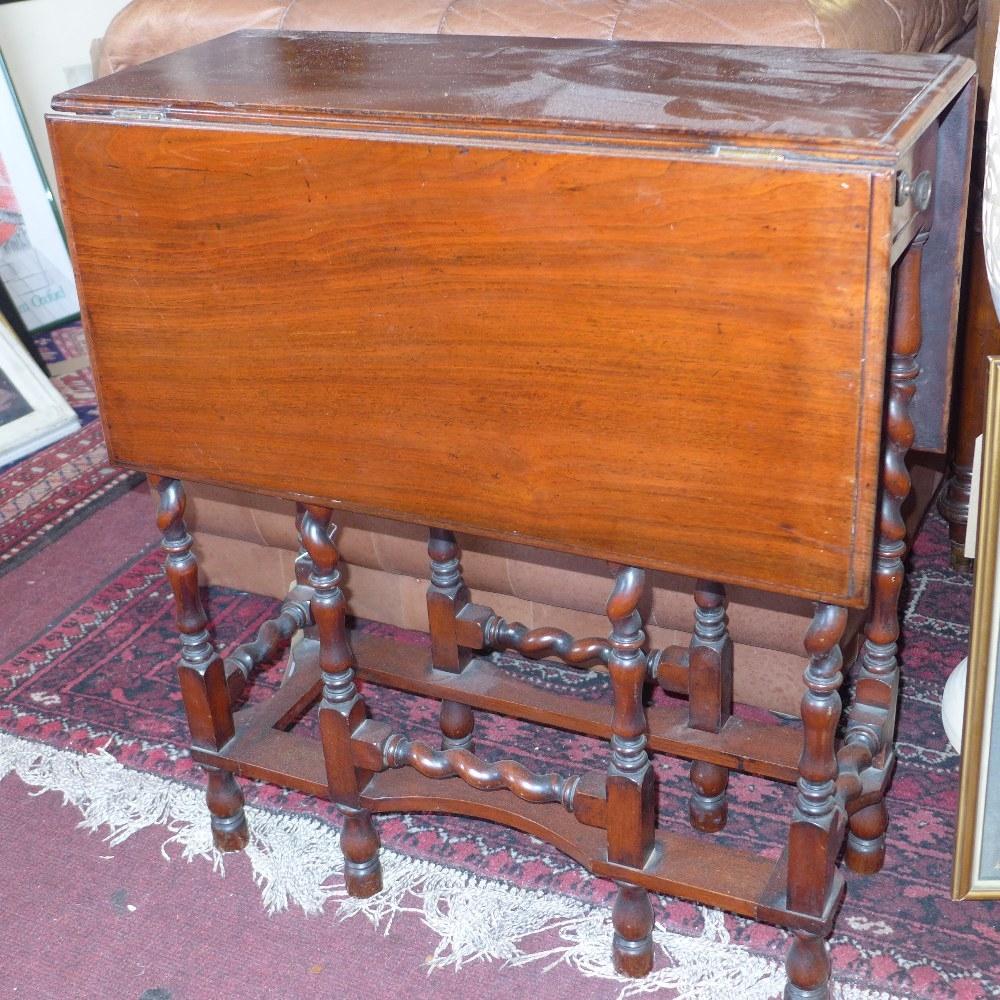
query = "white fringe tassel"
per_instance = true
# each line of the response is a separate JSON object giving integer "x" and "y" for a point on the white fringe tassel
{"x": 297, "y": 860}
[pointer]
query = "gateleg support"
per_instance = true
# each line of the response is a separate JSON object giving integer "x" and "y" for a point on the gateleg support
{"x": 873, "y": 718}
{"x": 204, "y": 686}
{"x": 631, "y": 790}
{"x": 818, "y": 824}
{"x": 342, "y": 710}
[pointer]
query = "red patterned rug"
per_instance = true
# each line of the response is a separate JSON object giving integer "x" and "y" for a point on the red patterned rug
{"x": 91, "y": 708}
{"x": 43, "y": 496}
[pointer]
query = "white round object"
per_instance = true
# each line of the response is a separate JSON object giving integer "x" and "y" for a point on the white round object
{"x": 953, "y": 704}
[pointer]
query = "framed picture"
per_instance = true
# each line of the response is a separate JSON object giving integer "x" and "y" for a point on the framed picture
{"x": 32, "y": 413}
{"x": 976, "y": 872}
{"x": 35, "y": 269}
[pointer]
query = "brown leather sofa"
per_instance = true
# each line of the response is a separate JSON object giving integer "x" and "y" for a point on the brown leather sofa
{"x": 250, "y": 543}
{"x": 148, "y": 28}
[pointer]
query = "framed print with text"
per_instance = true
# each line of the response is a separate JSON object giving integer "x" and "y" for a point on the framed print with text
{"x": 34, "y": 264}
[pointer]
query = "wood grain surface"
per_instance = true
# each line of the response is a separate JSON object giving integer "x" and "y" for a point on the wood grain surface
{"x": 671, "y": 364}
{"x": 627, "y": 301}
{"x": 623, "y": 299}
{"x": 823, "y": 102}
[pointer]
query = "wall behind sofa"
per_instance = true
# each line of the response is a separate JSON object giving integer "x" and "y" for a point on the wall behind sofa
{"x": 47, "y": 47}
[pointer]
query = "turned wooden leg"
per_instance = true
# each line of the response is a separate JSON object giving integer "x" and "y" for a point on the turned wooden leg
{"x": 342, "y": 709}
{"x": 710, "y": 700}
{"x": 457, "y": 725}
{"x": 865, "y": 853}
{"x": 359, "y": 840}
{"x": 630, "y": 785}
{"x": 446, "y": 596}
{"x": 632, "y": 916}
{"x": 808, "y": 968}
{"x": 818, "y": 824}
{"x": 202, "y": 673}
{"x": 225, "y": 803}
{"x": 873, "y": 716}
{"x": 707, "y": 807}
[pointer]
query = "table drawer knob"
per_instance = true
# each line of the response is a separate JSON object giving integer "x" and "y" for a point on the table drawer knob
{"x": 919, "y": 189}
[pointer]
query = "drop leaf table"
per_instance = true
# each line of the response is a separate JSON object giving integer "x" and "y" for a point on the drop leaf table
{"x": 677, "y": 307}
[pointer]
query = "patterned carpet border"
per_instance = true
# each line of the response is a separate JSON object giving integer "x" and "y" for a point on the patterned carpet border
{"x": 102, "y": 678}
{"x": 54, "y": 490}
{"x": 296, "y": 858}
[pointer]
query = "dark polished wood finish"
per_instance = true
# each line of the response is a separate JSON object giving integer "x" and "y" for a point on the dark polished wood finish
{"x": 495, "y": 192}
{"x": 201, "y": 672}
{"x": 818, "y": 824}
{"x": 447, "y": 595}
{"x": 710, "y": 700}
{"x": 624, "y": 300}
{"x": 631, "y": 782}
{"x": 874, "y": 721}
{"x": 342, "y": 710}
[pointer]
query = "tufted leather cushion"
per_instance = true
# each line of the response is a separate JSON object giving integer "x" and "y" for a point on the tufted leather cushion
{"x": 149, "y": 28}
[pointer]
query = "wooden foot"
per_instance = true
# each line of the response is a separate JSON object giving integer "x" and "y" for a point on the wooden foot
{"x": 959, "y": 562}
{"x": 359, "y": 840}
{"x": 457, "y": 725}
{"x": 808, "y": 968}
{"x": 632, "y": 949}
{"x": 865, "y": 852}
{"x": 953, "y": 503}
{"x": 225, "y": 803}
{"x": 707, "y": 807}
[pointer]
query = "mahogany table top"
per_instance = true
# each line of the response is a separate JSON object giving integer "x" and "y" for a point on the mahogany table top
{"x": 840, "y": 102}
{"x": 629, "y": 300}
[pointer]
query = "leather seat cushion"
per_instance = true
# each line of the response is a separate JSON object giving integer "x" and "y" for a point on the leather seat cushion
{"x": 149, "y": 28}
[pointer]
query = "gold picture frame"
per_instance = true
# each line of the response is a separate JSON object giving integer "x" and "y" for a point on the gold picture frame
{"x": 976, "y": 872}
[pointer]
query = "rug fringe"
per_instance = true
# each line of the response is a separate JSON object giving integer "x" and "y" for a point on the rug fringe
{"x": 297, "y": 860}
